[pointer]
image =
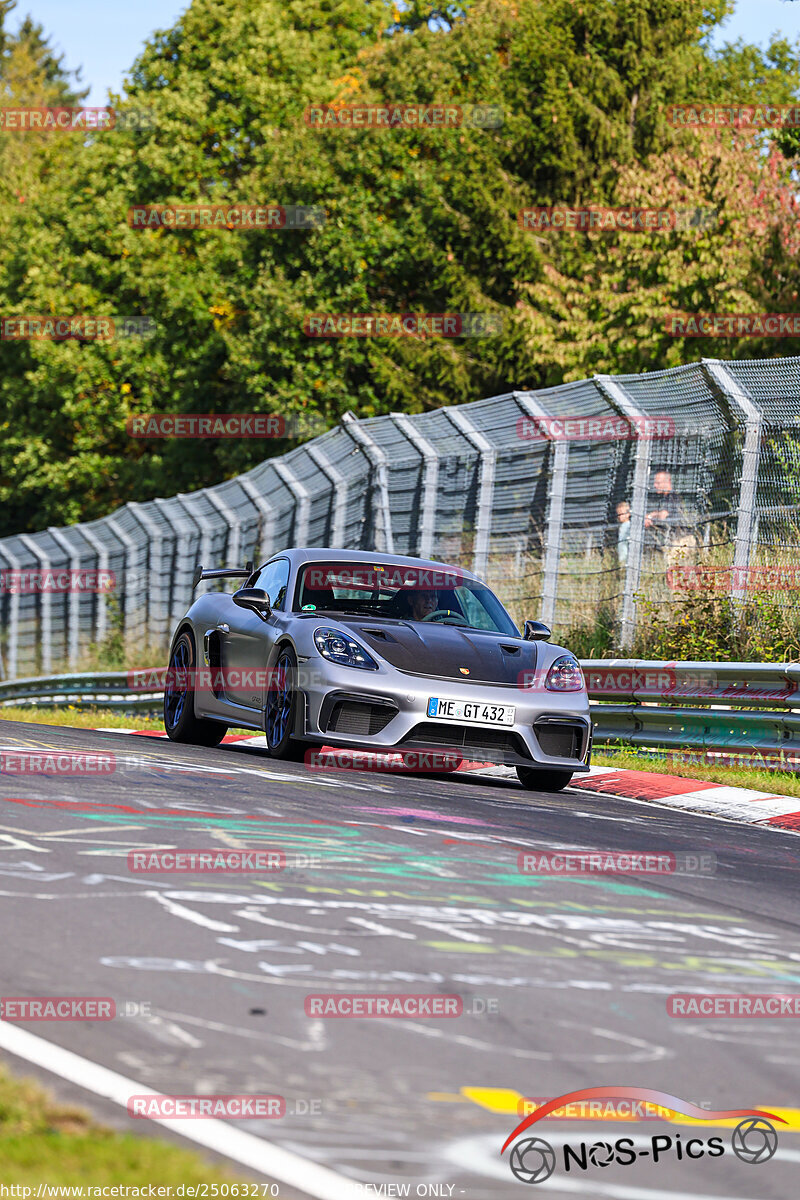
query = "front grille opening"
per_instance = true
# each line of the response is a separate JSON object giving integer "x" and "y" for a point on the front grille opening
{"x": 560, "y": 740}
{"x": 466, "y": 737}
{"x": 359, "y": 717}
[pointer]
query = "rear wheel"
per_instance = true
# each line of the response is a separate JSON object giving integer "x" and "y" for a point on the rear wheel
{"x": 281, "y": 709}
{"x": 180, "y": 721}
{"x": 543, "y": 781}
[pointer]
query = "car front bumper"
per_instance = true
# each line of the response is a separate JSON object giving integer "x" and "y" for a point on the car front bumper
{"x": 383, "y": 711}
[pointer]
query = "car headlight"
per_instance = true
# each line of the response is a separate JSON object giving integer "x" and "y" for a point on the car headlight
{"x": 337, "y": 647}
{"x": 565, "y": 675}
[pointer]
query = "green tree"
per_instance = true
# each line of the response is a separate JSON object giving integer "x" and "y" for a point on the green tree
{"x": 418, "y": 220}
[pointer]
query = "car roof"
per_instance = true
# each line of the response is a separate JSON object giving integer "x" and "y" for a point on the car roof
{"x": 304, "y": 554}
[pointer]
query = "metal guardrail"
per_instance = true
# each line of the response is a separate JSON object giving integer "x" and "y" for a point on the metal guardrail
{"x": 719, "y": 707}
{"x": 733, "y": 708}
{"x": 109, "y": 690}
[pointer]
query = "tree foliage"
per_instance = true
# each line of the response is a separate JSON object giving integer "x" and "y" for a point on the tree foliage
{"x": 418, "y": 220}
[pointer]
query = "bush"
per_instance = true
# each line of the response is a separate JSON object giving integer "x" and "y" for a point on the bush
{"x": 715, "y": 628}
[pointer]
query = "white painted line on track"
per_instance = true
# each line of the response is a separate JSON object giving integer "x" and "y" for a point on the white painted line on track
{"x": 235, "y": 1144}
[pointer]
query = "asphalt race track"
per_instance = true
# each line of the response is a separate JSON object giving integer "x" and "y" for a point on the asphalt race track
{"x": 411, "y": 886}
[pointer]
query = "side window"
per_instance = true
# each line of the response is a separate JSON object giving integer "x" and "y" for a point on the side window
{"x": 274, "y": 579}
{"x": 472, "y": 609}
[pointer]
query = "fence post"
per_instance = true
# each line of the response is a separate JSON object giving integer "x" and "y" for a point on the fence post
{"x": 301, "y": 501}
{"x": 747, "y": 516}
{"x": 266, "y": 515}
{"x": 101, "y": 614}
{"x": 556, "y": 496}
{"x": 488, "y": 464}
{"x": 377, "y": 459}
{"x": 132, "y": 594}
{"x": 185, "y": 500}
{"x": 233, "y": 541}
{"x": 616, "y": 395}
{"x": 46, "y": 611}
{"x": 339, "y": 489}
{"x": 426, "y": 529}
{"x": 174, "y": 513}
{"x": 158, "y": 607}
{"x": 13, "y": 617}
{"x": 73, "y": 624}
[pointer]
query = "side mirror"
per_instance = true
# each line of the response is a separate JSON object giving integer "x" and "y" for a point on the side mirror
{"x": 255, "y": 599}
{"x": 535, "y": 631}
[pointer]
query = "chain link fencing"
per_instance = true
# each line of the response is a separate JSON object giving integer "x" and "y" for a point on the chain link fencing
{"x": 574, "y": 501}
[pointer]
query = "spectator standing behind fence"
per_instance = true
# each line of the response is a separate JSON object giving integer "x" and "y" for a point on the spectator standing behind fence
{"x": 623, "y": 532}
{"x": 670, "y": 521}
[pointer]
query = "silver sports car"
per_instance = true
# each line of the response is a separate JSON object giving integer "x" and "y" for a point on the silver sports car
{"x": 376, "y": 652}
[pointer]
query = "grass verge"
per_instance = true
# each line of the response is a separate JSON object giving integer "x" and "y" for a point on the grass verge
{"x": 42, "y": 1141}
{"x": 82, "y": 718}
{"x": 92, "y": 718}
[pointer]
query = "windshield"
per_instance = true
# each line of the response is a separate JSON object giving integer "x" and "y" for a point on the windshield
{"x": 418, "y": 594}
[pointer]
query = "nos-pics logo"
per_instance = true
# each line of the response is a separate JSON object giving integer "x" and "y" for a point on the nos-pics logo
{"x": 533, "y": 1160}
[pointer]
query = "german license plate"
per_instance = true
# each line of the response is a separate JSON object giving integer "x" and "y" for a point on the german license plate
{"x": 471, "y": 711}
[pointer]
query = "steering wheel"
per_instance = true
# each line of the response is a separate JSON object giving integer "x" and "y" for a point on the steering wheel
{"x": 441, "y": 614}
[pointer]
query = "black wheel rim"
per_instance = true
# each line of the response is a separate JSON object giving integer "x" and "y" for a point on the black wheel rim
{"x": 279, "y": 702}
{"x": 177, "y": 684}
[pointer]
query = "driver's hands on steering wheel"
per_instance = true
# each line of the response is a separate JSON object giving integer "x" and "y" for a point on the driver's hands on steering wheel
{"x": 443, "y": 613}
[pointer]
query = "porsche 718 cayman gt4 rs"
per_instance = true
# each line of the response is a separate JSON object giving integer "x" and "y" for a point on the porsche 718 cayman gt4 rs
{"x": 376, "y": 652}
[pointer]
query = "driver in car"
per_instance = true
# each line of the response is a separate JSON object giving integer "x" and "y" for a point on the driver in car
{"x": 422, "y": 604}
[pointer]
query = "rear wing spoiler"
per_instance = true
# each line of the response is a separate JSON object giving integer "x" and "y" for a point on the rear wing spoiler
{"x": 222, "y": 573}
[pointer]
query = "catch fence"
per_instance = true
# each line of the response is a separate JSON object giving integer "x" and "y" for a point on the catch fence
{"x": 569, "y": 501}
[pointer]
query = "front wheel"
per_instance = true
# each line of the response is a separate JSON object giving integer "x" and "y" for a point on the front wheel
{"x": 543, "y": 781}
{"x": 281, "y": 709}
{"x": 180, "y": 721}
